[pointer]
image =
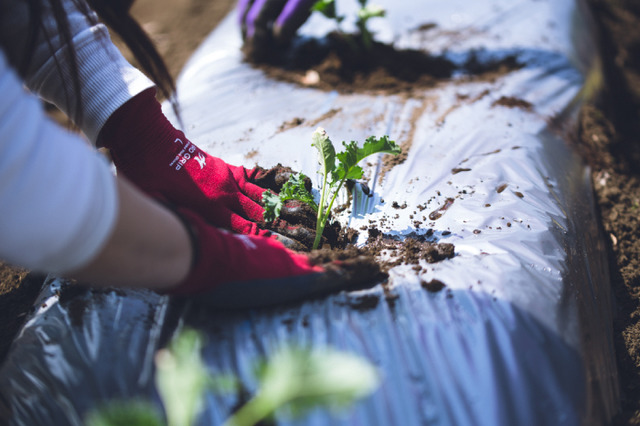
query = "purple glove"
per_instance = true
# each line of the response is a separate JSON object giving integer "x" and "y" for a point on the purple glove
{"x": 263, "y": 21}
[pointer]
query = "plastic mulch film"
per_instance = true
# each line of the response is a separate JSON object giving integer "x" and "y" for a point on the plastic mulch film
{"x": 521, "y": 332}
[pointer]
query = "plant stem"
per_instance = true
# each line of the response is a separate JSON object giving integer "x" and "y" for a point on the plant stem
{"x": 350, "y": 41}
{"x": 256, "y": 409}
{"x": 365, "y": 35}
{"x": 319, "y": 230}
{"x": 322, "y": 218}
{"x": 335, "y": 195}
{"x": 323, "y": 214}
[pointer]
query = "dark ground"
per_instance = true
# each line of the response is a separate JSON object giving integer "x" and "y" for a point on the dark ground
{"x": 609, "y": 138}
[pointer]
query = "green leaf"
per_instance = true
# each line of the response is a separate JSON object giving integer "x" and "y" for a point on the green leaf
{"x": 326, "y": 7}
{"x": 129, "y": 413}
{"x": 293, "y": 189}
{"x": 348, "y": 159}
{"x": 371, "y": 11}
{"x": 182, "y": 378}
{"x": 326, "y": 151}
{"x": 272, "y": 206}
{"x": 309, "y": 378}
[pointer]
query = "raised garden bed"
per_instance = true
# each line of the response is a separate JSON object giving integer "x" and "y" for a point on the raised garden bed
{"x": 500, "y": 324}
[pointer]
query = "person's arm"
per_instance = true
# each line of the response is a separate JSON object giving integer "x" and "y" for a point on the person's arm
{"x": 58, "y": 196}
{"x": 148, "y": 247}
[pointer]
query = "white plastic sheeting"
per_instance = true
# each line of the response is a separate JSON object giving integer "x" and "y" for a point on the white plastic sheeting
{"x": 522, "y": 332}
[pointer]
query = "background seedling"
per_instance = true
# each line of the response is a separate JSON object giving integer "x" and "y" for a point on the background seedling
{"x": 364, "y": 14}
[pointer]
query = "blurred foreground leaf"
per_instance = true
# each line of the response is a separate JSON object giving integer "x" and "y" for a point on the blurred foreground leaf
{"x": 182, "y": 378}
{"x": 293, "y": 381}
{"x": 132, "y": 413}
{"x": 298, "y": 380}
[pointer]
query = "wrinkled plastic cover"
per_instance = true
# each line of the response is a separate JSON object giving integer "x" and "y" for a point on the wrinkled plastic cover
{"x": 521, "y": 334}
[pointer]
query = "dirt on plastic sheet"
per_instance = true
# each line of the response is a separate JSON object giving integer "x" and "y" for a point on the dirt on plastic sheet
{"x": 381, "y": 253}
{"x": 409, "y": 250}
{"x": 512, "y": 102}
{"x": 377, "y": 256}
{"x": 332, "y": 63}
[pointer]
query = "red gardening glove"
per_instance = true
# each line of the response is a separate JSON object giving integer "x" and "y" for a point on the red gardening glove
{"x": 242, "y": 271}
{"x": 160, "y": 160}
{"x": 224, "y": 257}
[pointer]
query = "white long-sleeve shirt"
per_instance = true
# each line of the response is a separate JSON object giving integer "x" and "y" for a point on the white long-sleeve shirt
{"x": 58, "y": 201}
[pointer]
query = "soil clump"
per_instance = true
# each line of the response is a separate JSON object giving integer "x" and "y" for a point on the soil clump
{"x": 411, "y": 249}
{"x": 512, "y": 102}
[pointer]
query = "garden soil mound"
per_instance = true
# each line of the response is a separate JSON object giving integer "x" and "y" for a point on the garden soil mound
{"x": 333, "y": 64}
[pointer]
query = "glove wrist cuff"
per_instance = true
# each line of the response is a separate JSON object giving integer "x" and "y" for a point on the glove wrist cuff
{"x": 194, "y": 238}
{"x": 185, "y": 285}
{"x": 136, "y": 127}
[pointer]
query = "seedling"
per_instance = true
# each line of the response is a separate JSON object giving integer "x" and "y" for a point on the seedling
{"x": 364, "y": 14}
{"x": 334, "y": 175}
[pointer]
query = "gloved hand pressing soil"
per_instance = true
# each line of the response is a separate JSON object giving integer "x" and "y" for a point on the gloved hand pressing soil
{"x": 265, "y": 23}
{"x": 160, "y": 160}
{"x": 298, "y": 221}
{"x": 235, "y": 271}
